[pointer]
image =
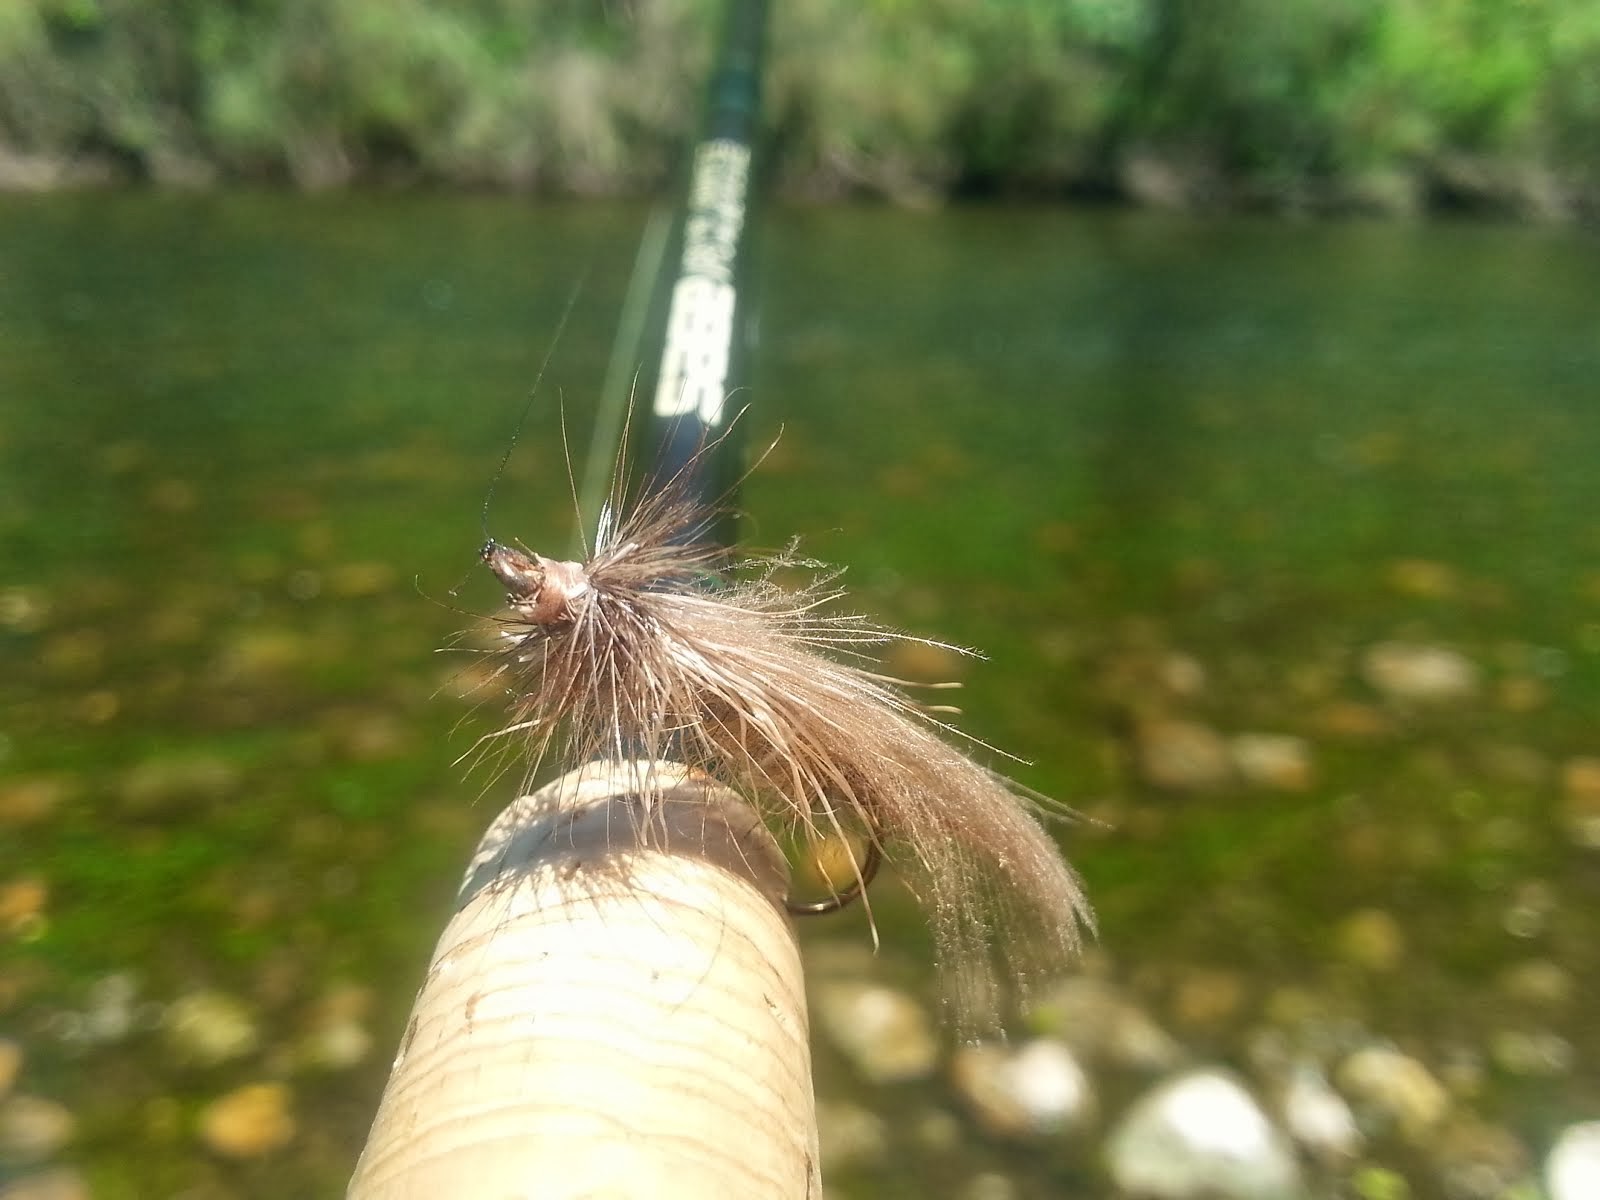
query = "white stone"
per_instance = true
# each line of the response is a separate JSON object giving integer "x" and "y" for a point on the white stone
{"x": 1201, "y": 1135}
{"x": 1419, "y": 674}
{"x": 1273, "y": 760}
{"x": 1050, "y": 1085}
{"x": 1037, "y": 1089}
{"x": 1317, "y": 1116}
{"x": 208, "y": 1028}
{"x": 884, "y": 1033}
{"x": 1572, "y": 1172}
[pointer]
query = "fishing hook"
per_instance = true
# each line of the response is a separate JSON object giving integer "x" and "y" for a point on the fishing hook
{"x": 841, "y": 899}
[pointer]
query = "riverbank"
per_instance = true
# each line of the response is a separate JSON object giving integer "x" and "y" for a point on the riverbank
{"x": 1291, "y": 106}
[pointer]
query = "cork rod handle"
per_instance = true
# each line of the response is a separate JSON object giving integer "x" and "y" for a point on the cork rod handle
{"x": 616, "y": 1010}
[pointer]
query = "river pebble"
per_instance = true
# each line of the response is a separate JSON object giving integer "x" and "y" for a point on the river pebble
{"x": 22, "y": 905}
{"x": 1207, "y": 998}
{"x": 1201, "y": 1135}
{"x": 1539, "y": 983}
{"x": 208, "y": 1028}
{"x": 850, "y": 1135}
{"x": 248, "y": 1122}
{"x": 33, "y": 1129}
{"x": 24, "y": 609}
{"x": 1317, "y": 1116}
{"x": 1034, "y": 1090}
{"x": 114, "y": 1011}
{"x": 1580, "y": 792}
{"x": 31, "y": 799}
{"x": 1572, "y": 1170}
{"x": 1395, "y": 1089}
{"x": 1275, "y": 761}
{"x": 337, "y": 1036}
{"x": 58, "y": 1183}
{"x": 1478, "y": 1161}
{"x": 1532, "y": 1053}
{"x": 10, "y": 1065}
{"x": 885, "y": 1033}
{"x": 1371, "y": 939}
{"x": 176, "y": 783}
{"x": 1182, "y": 756}
{"x": 335, "y": 1046}
{"x": 1419, "y": 674}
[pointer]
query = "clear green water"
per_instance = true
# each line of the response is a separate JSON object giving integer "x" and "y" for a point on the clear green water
{"x": 243, "y": 445}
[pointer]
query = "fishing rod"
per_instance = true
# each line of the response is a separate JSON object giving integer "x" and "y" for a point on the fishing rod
{"x": 695, "y": 337}
{"x": 617, "y": 1007}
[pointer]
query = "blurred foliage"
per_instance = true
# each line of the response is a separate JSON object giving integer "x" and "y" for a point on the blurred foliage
{"x": 1390, "y": 104}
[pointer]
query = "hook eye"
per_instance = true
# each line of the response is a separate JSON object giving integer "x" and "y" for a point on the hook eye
{"x": 844, "y": 898}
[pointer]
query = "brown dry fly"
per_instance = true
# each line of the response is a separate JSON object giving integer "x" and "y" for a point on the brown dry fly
{"x": 768, "y": 689}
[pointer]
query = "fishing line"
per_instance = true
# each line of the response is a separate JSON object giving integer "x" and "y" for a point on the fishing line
{"x": 533, "y": 395}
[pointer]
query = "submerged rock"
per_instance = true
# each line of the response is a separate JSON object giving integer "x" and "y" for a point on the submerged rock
{"x": 1032, "y": 1091}
{"x": 1478, "y": 1161}
{"x": 33, "y": 1129}
{"x": 1183, "y": 756}
{"x": 114, "y": 1011}
{"x": 23, "y": 903}
{"x": 32, "y": 799}
{"x": 1201, "y": 1135}
{"x": 1318, "y": 1118}
{"x": 1208, "y": 997}
{"x": 208, "y": 1028}
{"x": 1396, "y": 1089}
{"x": 1540, "y": 983}
{"x": 1580, "y": 792}
{"x": 1572, "y": 1171}
{"x": 1536, "y": 1053}
{"x": 334, "y": 1047}
{"x": 885, "y": 1034}
{"x": 248, "y": 1122}
{"x": 1419, "y": 674}
{"x": 58, "y": 1183}
{"x": 10, "y": 1064}
{"x": 1276, "y": 761}
{"x": 178, "y": 782}
{"x": 850, "y": 1135}
{"x": 1372, "y": 940}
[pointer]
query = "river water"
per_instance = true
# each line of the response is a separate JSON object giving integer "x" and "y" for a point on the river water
{"x": 1282, "y": 542}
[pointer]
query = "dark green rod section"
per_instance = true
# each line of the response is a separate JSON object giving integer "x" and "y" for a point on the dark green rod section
{"x": 701, "y": 325}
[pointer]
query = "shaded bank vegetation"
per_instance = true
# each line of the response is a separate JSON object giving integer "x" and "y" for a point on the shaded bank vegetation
{"x": 1363, "y": 104}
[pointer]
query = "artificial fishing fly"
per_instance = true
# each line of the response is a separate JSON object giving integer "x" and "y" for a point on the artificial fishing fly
{"x": 628, "y": 655}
